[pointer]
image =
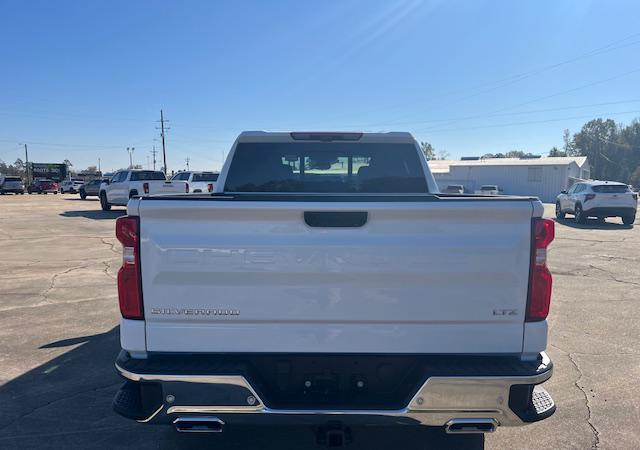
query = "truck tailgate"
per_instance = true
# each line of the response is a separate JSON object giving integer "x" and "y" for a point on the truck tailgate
{"x": 447, "y": 276}
{"x": 166, "y": 187}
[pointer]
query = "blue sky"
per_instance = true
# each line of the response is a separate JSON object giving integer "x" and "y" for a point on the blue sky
{"x": 85, "y": 80}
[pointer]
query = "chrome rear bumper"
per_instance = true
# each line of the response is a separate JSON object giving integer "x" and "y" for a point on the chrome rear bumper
{"x": 439, "y": 401}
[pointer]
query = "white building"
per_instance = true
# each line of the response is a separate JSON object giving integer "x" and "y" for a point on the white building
{"x": 542, "y": 177}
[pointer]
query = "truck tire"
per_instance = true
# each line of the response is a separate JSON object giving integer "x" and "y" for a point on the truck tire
{"x": 559, "y": 213}
{"x": 83, "y": 194}
{"x": 580, "y": 217}
{"x": 104, "y": 203}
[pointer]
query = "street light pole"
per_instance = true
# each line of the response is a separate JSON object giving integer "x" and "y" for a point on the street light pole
{"x": 26, "y": 157}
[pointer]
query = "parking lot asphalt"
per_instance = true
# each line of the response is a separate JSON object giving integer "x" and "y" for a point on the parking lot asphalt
{"x": 59, "y": 337}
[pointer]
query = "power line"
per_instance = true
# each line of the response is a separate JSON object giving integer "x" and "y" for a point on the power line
{"x": 130, "y": 150}
{"x": 611, "y": 46}
{"x": 534, "y": 111}
{"x": 559, "y": 119}
{"x": 556, "y": 94}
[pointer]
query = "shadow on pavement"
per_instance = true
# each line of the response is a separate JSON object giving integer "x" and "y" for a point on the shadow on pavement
{"x": 593, "y": 224}
{"x": 66, "y": 403}
{"x": 95, "y": 214}
{"x": 78, "y": 199}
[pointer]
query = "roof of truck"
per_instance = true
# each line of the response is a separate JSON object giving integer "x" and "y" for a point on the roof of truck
{"x": 324, "y": 136}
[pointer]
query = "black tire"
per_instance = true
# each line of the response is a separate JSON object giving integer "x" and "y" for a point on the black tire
{"x": 628, "y": 220}
{"x": 83, "y": 195}
{"x": 104, "y": 203}
{"x": 559, "y": 213}
{"x": 55, "y": 192}
{"x": 580, "y": 217}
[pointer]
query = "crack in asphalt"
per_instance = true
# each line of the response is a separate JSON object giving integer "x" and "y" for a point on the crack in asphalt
{"x": 612, "y": 276}
{"x": 111, "y": 245}
{"x": 596, "y": 433}
{"x": 45, "y": 294}
{"x": 106, "y": 269}
{"x": 609, "y": 273}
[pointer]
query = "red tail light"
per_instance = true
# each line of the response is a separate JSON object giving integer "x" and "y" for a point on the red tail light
{"x": 540, "y": 279}
{"x": 186, "y": 187}
{"x": 129, "y": 278}
{"x": 589, "y": 197}
{"x": 210, "y": 187}
{"x": 145, "y": 187}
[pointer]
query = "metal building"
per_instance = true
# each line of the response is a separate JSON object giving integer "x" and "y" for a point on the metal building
{"x": 541, "y": 177}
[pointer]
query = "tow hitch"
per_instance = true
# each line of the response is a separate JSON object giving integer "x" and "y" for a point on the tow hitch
{"x": 334, "y": 435}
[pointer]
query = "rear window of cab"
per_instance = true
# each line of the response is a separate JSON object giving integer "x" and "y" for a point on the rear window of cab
{"x": 611, "y": 189}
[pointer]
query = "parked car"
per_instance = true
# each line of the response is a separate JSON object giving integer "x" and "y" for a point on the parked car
{"x": 11, "y": 184}
{"x": 198, "y": 181}
{"x": 599, "y": 199}
{"x": 43, "y": 186}
{"x": 70, "y": 186}
{"x": 90, "y": 189}
{"x": 304, "y": 290}
{"x": 488, "y": 189}
{"x": 126, "y": 184}
{"x": 454, "y": 189}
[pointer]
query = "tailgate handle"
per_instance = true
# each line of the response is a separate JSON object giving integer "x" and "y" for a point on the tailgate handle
{"x": 335, "y": 219}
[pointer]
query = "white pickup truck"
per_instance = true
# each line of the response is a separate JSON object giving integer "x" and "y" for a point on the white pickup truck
{"x": 327, "y": 282}
{"x": 126, "y": 184}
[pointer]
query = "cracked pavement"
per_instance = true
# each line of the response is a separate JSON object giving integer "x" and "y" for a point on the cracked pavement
{"x": 59, "y": 337}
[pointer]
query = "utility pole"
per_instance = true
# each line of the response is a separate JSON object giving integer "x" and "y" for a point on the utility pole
{"x": 164, "y": 149}
{"x": 26, "y": 157}
{"x": 131, "y": 150}
{"x": 98, "y": 164}
{"x": 187, "y": 161}
{"x": 153, "y": 152}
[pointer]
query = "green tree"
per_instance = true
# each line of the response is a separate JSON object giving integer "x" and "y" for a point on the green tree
{"x": 569, "y": 145}
{"x": 555, "y": 151}
{"x": 634, "y": 179}
{"x": 428, "y": 150}
{"x": 443, "y": 154}
{"x": 598, "y": 141}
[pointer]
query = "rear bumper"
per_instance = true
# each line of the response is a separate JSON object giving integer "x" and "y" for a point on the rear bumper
{"x": 484, "y": 388}
{"x": 611, "y": 211}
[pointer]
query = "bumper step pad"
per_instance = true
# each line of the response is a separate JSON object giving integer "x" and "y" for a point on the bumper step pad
{"x": 542, "y": 403}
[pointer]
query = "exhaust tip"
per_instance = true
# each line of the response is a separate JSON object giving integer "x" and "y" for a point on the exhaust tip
{"x": 468, "y": 426}
{"x": 202, "y": 424}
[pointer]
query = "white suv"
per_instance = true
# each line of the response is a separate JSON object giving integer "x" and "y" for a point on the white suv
{"x": 600, "y": 199}
{"x": 198, "y": 181}
{"x": 70, "y": 186}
